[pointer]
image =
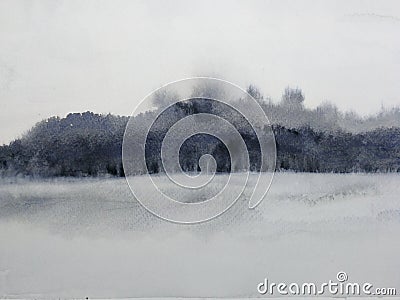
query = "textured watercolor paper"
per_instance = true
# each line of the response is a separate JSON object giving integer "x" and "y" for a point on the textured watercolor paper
{"x": 197, "y": 149}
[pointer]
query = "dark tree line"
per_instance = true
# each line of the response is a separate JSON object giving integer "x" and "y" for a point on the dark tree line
{"x": 84, "y": 144}
{"x": 308, "y": 151}
{"x": 89, "y": 144}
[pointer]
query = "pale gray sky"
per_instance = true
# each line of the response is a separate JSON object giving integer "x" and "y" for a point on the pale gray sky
{"x": 58, "y": 57}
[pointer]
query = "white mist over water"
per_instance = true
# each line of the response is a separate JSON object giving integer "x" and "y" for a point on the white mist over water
{"x": 90, "y": 238}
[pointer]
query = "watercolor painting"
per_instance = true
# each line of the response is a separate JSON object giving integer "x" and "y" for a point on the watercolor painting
{"x": 193, "y": 149}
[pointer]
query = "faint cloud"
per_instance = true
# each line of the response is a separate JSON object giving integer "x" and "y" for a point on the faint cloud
{"x": 7, "y": 76}
{"x": 374, "y": 16}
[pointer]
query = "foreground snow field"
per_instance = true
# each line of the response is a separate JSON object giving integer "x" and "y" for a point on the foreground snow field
{"x": 78, "y": 238}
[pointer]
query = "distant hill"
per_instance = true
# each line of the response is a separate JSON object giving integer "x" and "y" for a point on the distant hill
{"x": 89, "y": 144}
{"x": 81, "y": 144}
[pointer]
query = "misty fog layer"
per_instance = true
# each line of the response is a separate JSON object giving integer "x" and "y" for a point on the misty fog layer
{"x": 82, "y": 238}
